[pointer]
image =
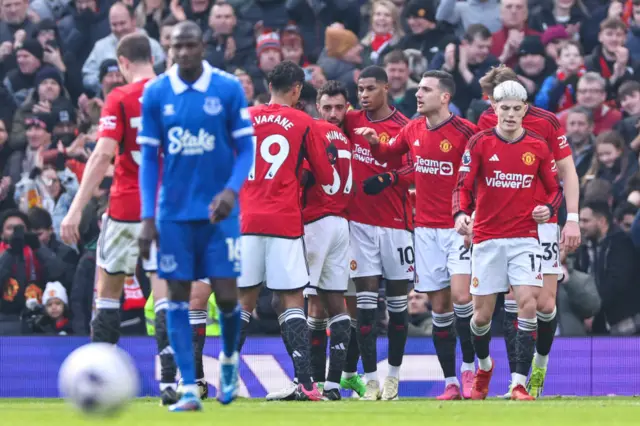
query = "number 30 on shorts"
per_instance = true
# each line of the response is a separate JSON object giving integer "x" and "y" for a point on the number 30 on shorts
{"x": 406, "y": 255}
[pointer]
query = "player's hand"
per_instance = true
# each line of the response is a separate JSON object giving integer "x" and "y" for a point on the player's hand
{"x": 369, "y": 134}
{"x": 570, "y": 237}
{"x": 376, "y": 184}
{"x": 307, "y": 180}
{"x": 148, "y": 235}
{"x": 467, "y": 241}
{"x": 332, "y": 153}
{"x": 463, "y": 224}
{"x": 221, "y": 206}
{"x": 541, "y": 214}
{"x": 69, "y": 228}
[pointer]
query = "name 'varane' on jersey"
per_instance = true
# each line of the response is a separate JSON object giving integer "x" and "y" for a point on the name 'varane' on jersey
{"x": 120, "y": 121}
{"x": 270, "y": 198}
{"x": 196, "y": 127}
{"x": 391, "y": 208}
{"x": 505, "y": 176}
{"x": 543, "y": 123}
{"x": 330, "y": 200}
{"x": 436, "y": 152}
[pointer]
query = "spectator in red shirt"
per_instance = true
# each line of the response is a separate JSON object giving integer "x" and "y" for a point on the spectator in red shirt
{"x": 505, "y": 43}
{"x": 592, "y": 94}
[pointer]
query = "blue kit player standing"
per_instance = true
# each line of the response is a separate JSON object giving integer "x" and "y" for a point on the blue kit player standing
{"x": 196, "y": 116}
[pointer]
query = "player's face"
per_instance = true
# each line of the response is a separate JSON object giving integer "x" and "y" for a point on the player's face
{"x": 429, "y": 96}
{"x": 372, "y": 94}
{"x": 187, "y": 50}
{"x": 510, "y": 114}
{"x": 333, "y": 109}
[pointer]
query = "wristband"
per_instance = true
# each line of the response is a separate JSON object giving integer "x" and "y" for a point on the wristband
{"x": 573, "y": 217}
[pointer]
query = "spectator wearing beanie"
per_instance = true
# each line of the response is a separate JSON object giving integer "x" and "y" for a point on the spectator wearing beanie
{"x": 426, "y": 34}
{"x": 39, "y": 127}
{"x": 462, "y": 14}
{"x": 533, "y": 65}
{"x": 293, "y": 45}
{"x": 554, "y": 38}
{"x": 341, "y": 57}
{"x": 20, "y": 81}
{"x": 269, "y": 53}
{"x": 53, "y": 317}
{"x": 48, "y": 88}
{"x": 25, "y": 265}
{"x": 55, "y": 54}
{"x": 110, "y": 77}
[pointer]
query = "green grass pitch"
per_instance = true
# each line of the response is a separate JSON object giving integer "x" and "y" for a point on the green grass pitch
{"x": 418, "y": 412}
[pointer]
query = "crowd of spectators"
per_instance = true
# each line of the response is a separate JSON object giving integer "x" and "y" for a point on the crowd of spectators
{"x": 577, "y": 58}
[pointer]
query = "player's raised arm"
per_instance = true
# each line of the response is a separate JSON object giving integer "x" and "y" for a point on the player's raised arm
{"x": 149, "y": 139}
{"x": 462, "y": 207}
{"x": 317, "y": 156}
{"x": 241, "y": 132}
{"x": 396, "y": 147}
{"x": 110, "y": 133}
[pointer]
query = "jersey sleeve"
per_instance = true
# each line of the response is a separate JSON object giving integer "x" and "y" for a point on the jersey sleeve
{"x": 406, "y": 173}
{"x": 316, "y": 153}
{"x": 549, "y": 177}
{"x": 241, "y": 131}
{"x": 112, "y": 120}
{"x": 396, "y": 147}
{"x": 239, "y": 117}
{"x": 150, "y": 131}
{"x": 559, "y": 144}
{"x": 469, "y": 166}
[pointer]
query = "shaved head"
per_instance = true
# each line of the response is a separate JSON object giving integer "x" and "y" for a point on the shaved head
{"x": 187, "y": 47}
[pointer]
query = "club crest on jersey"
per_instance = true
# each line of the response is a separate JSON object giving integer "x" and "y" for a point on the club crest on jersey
{"x": 475, "y": 282}
{"x": 528, "y": 158}
{"x": 445, "y": 146}
{"x": 384, "y": 137}
{"x": 212, "y": 105}
{"x": 353, "y": 265}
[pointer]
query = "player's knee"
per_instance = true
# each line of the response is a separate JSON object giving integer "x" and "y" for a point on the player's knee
{"x": 440, "y": 301}
{"x": 461, "y": 297}
{"x": 364, "y": 284}
{"x": 315, "y": 308}
{"x": 546, "y": 302}
{"x": 527, "y": 306}
{"x": 179, "y": 291}
{"x": 482, "y": 317}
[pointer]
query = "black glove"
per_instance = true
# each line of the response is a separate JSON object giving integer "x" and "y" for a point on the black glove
{"x": 376, "y": 184}
{"x": 332, "y": 153}
{"x": 16, "y": 243}
{"x": 308, "y": 180}
{"x": 32, "y": 240}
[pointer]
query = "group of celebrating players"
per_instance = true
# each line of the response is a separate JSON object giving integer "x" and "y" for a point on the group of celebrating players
{"x": 325, "y": 212}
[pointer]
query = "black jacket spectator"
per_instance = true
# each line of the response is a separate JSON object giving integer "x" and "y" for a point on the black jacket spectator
{"x": 609, "y": 255}
{"x": 81, "y": 29}
{"x": 82, "y": 290}
{"x": 578, "y": 299}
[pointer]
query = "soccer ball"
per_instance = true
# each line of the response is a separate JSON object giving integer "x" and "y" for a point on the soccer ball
{"x": 98, "y": 378}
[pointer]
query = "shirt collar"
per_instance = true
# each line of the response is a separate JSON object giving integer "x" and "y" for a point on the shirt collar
{"x": 201, "y": 84}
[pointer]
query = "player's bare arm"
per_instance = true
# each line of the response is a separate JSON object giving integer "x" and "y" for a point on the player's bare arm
{"x": 570, "y": 237}
{"x": 96, "y": 169}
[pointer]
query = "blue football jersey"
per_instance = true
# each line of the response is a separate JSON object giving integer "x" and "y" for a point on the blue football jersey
{"x": 196, "y": 126}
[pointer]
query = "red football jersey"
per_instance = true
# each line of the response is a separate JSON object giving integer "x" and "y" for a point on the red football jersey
{"x": 436, "y": 152}
{"x": 331, "y": 200}
{"x": 505, "y": 176}
{"x": 545, "y": 124}
{"x": 270, "y": 198}
{"x": 391, "y": 208}
{"x": 120, "y": 120}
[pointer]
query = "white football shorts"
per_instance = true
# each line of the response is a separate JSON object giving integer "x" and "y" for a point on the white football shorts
{"x": 497, "y": 264}
{"x": 440, "y": 253}
{"x": 549, "y": 236}
{"x": 279, "y": 262}
{"x": 118, "y": 250}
